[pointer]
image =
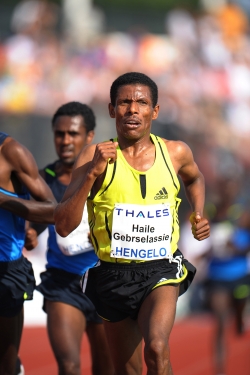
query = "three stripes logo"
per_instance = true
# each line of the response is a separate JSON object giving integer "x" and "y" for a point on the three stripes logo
{"x": 163, "y": 194}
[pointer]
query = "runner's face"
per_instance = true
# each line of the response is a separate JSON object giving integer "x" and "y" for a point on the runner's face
{"x": 69, "y": 137}
{"x": 133, "y": 111}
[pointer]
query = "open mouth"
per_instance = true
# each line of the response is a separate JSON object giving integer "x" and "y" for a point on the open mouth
{"x": 132, "y": 123}
{"x": 66, "y": 154}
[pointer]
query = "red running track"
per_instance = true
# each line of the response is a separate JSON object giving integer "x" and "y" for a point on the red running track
{"x": 191, "y": 350}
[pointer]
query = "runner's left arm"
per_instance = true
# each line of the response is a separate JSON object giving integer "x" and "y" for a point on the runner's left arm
{"x": 194, "y": 184}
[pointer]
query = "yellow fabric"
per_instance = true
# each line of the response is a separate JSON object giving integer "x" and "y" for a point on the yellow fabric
{"x": 122, "y": 185}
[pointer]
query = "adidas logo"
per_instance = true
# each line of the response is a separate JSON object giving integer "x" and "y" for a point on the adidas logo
{"x": 162, "y": 279}
{"x": 163, "y": 194}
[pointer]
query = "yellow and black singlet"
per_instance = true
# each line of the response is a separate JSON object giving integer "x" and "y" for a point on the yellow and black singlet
{"x": 124, "y": 184}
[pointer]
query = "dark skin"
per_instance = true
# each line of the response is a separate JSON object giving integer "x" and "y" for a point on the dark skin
{"x": 18, "y": 169}
{"x": 70, "y": 136}
{"x": 65, "y": 323}
{"x": 133, "y": 113}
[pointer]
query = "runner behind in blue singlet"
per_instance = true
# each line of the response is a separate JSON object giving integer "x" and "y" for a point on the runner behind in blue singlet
{"x": 19, "y": 178}
{"x": 69, "y": 312}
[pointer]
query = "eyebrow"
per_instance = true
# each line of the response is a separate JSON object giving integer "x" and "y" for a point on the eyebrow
{"x": 144, "y": 98}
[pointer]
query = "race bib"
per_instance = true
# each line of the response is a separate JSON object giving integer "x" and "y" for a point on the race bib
{"x": 77, "y": 241}
{"x": 141, "y": 232}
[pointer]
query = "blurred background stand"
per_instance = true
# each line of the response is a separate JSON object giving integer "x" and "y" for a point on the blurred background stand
{"x": 82, "y": 21}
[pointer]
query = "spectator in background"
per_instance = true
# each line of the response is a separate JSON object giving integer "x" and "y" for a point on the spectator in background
{"x": 32, "y": 54}
{"x": 228, "y": 282}
{"x": 234, "y": 24}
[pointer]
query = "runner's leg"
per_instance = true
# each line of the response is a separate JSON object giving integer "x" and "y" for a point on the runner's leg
{"x": 10, "y": 337}
{"x": 66, "y": 325}
{"x": 125, "y": 342}
{"x": 156, "y": 319}
{"x": 100, "y": 353}
{"x": 220, "y": 303}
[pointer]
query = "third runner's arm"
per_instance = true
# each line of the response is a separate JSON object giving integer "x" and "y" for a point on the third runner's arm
{"x": 22, "y": 164}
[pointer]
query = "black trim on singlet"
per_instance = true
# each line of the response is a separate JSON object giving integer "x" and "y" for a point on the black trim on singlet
{"x": 143, "y": 185}
{"x": 166, "y": 163}
{"x": 3, "y": 136}
{"x": 107, "y": 226}
{"x": 176, "y": 217}
{"x": 173, "y": 221}
{"x": 91, "y": 226}
{"x": 112, "y": 178}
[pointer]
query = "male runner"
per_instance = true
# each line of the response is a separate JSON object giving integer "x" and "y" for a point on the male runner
{"x": 69, "y": 312}
{"x": 19, "y": 178}
{"x": 131, "y": 187}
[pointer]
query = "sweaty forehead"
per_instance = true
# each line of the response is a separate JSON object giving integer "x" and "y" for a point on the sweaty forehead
{"x": 134, "y": 90}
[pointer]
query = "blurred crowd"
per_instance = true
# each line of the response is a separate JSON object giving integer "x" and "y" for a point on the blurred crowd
{"x": 201, "y": 65}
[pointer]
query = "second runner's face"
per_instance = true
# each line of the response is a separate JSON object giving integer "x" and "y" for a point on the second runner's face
{"x": 133, "y": 111}
{"x": 70, "y": 137}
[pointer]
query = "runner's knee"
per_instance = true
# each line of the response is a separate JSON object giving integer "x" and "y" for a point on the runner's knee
{"x": 69, "y": 367}
{"x": 157, "y": 354}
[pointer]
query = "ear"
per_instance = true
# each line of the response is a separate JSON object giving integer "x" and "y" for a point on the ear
{"x": 155, "y": 112}
{"x": 111, "y": 110}
{"x": 90, "y": 137}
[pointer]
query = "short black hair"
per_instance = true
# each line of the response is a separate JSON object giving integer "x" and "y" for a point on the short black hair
{"x": 75, "y": 109}
{"x": 132, "y": 78}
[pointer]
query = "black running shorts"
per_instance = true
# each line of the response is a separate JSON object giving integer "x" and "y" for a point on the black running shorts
{"x": 118, "y": 289}
{"x": 17, "y": 283}
{"x": 62, "y": 286}
{"x": 238, "y": 288}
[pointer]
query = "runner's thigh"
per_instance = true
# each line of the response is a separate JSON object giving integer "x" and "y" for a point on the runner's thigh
{"x": 125, "y": 342}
